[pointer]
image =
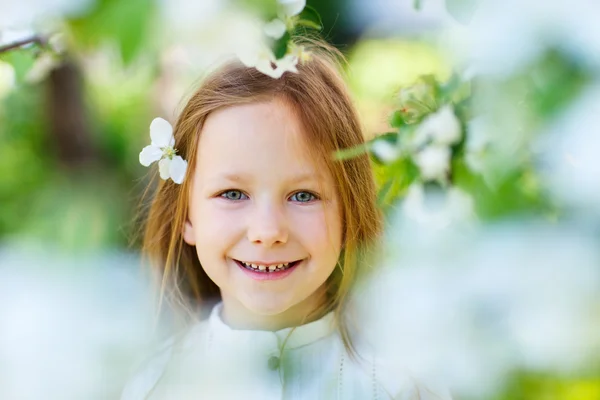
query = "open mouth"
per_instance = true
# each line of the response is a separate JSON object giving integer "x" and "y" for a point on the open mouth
{"x": 267, "y": 269}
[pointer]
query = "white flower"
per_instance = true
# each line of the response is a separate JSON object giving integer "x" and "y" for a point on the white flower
{"x": 441, "y": 127}
{"x": 385, "y": 151}
{"x": 437, "y": 210}
{"x": 292, "y": 7}
{"x": 264, "y": 61}
{"x": 275, "y": 28}
{"x": 7, "y": 79}
{"x": 170, "y": 165}
{"x": 434, "y": 162}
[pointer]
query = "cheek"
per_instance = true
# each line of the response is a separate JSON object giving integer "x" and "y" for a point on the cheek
{"x": 320, "y": 232}
{"x": 214, "y": 227}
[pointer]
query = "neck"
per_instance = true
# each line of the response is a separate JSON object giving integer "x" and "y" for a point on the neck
{"x": 237, "y": 316}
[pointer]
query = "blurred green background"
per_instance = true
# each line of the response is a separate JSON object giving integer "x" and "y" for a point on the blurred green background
{"x": 74, "y": 121}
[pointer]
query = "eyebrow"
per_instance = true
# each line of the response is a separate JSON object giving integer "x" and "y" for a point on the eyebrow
{"x": 241, "y": 178}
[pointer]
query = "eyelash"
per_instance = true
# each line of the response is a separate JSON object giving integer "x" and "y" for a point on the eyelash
{"x": 314, "y": 195}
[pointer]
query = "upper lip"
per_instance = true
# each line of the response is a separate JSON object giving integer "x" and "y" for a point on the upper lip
{"x": 266, "y": 263}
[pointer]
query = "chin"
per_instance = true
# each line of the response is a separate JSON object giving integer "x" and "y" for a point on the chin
{"x": 266, "y": 306}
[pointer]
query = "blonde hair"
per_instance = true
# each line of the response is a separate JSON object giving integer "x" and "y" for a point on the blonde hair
{"x": 319, "y": 96}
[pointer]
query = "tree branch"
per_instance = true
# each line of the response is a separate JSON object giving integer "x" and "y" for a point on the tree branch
{"x": 33, "y": 39}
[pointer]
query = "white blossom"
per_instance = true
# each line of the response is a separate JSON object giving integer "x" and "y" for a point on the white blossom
{"x": 385, "y": 151}
{"x": 161, "y": 149}
{"x": 500, "y": 41}
{"x": 291, "y": 8}
{"x": 275, "y": 28}
{"x": 264, "y": 61}
{"x": 7, "y": 79}
{"x": 441, "y": 127}
{"x": 568, "y": 153}
{"x": 29, "y": 13}
{"x": 436, "y": 210}
{"x": 472, "y": 308}
{"x": 433, "y": 162}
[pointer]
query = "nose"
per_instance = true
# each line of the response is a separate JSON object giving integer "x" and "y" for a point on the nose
{"x": 267, "y": 225}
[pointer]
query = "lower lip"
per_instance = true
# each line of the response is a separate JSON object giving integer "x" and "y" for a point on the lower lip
{"x": 268, "y": 276}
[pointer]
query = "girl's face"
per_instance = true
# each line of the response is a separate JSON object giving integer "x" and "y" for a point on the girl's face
{"x": 264, "y": 217}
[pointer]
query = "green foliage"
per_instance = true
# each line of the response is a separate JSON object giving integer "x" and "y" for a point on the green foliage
{"x": 556, "y": 80}
{"x": 26, "y": 157}
{"x": 22, "y": 60}
{"x": 124, "y": 22}
{"x": 280, "y": 47}
{"x": 310, "y": 18}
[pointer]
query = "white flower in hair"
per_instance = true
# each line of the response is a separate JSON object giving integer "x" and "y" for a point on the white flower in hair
{"x": 261, "y": 56}
{"x": 275, "y": 28}
{"x": 287, "y": 9}
{"x": 170, "y": 165}
{"x": 264, "y": 61}
{"x": 292, "y": 7}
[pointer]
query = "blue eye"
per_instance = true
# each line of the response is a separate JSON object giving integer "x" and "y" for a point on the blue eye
{"x": 233, "y": 195}
{"x": 303, "y": 197}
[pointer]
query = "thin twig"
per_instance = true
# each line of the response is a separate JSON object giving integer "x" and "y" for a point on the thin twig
{"x": 23, "y": 42}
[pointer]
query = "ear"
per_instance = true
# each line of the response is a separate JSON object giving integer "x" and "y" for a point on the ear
{"x": 188, "y": 233}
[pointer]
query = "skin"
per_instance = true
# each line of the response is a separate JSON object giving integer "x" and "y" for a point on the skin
{"x": 258, "y": 196}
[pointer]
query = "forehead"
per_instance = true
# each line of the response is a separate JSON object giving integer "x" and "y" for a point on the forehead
{"x": 263, "y": 138}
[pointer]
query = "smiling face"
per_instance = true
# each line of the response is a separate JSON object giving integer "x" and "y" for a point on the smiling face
{"x": 258, "y": 200}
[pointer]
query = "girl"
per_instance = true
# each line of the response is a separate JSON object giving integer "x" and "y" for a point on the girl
{"x": 272, "y": 231}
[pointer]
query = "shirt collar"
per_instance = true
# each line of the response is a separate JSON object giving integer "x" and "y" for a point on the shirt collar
{"x": 293, "y": 337}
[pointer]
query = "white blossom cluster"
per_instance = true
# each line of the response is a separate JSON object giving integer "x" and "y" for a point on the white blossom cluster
{"x": 72, "y": 327}
{"x": 262, "y": 57}
{"x": 471, "y": 308}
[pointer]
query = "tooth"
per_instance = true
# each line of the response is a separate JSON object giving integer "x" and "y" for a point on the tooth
{"x": 262, "y": 267}
{"x": 272, "y": 268}
{"x": 279, "y": 266}
{"x": 254, "y": 266}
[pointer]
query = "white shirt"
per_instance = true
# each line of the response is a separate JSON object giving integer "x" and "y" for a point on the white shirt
{"x": 213, "y": 361}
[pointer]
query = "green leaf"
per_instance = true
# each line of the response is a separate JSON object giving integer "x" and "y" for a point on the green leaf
{"x": 21, "y": 60}
{"x": 397, "y": 119}
{"x": 124, "y": 22}
{"x": 281, "y": 46}
{"x": 351, "y": 152}
{"x": 309, "y": 24}
{"x": 310, "y": 17}
{"x": 417, "y": 4}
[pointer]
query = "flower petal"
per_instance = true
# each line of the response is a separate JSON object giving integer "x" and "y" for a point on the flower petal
{"x": 434, "y": 162}
{"x": 149, "y": 154}
{"x": 164, "y": 167}
{"x": 275, "y": 28}
{"x": 265, "y": 67}
{"x": 161, "y": 133}
{"x": 292, "y": 7}
{"x": 177, "y": 169}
